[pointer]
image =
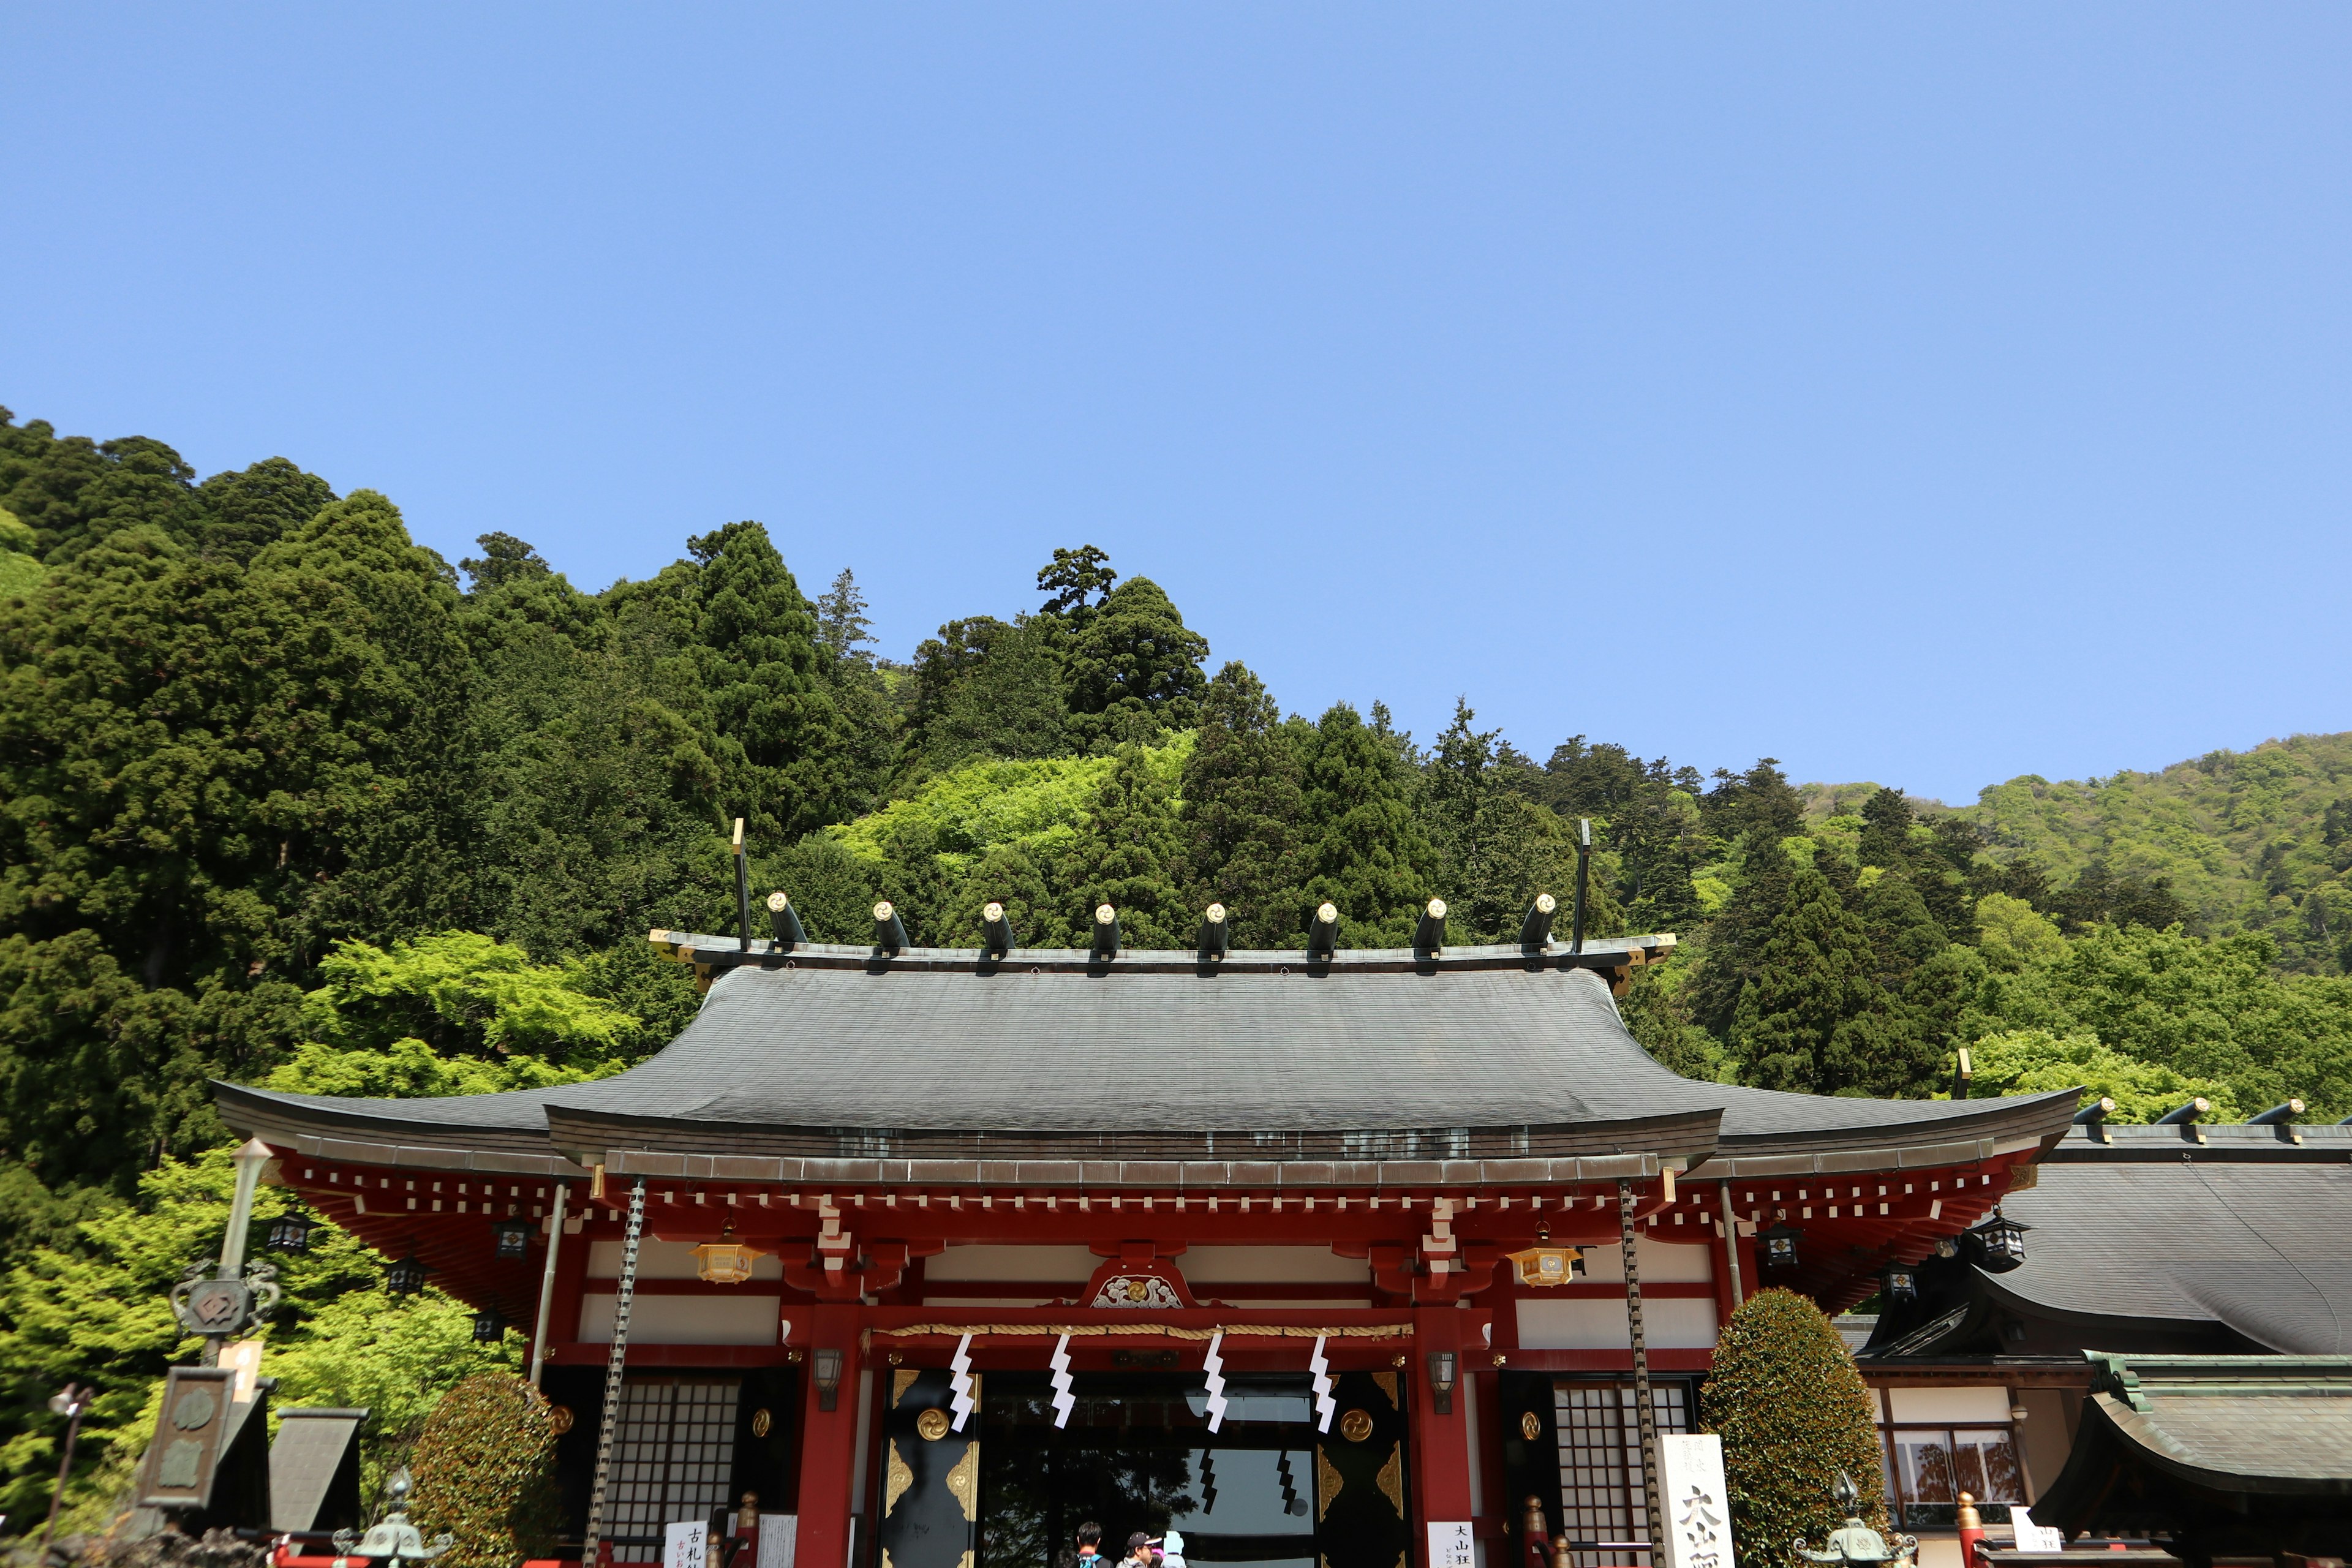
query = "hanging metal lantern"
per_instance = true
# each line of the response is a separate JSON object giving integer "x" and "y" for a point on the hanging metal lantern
{"x": 488, "y": 1327}
{"x": 291, "y": 1232}
{"x": 1899, "y": 1282}
{"x": 405, "y": 1277}
{"x": 514, "y": 1240}
{"x": 1779, "y": 1244}
{"x": 2001, "y": 1244}
{"x": 726, "y": 1261}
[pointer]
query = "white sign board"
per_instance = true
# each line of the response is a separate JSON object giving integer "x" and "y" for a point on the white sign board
{"x": 1452, "y": 1546}
{"x": 685, "y": 1545}
{"x": 1697, "y": 1504}
{"x": 779, "y": 1535}
{"x": 2032, "y": 1537}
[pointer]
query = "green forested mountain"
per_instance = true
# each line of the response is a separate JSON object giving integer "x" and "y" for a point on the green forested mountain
{"x": 286, "y": 798}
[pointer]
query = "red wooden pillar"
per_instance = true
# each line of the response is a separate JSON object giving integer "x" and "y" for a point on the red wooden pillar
{"x": 1441, "y": 1443}
{"x": 828, "y": 1442}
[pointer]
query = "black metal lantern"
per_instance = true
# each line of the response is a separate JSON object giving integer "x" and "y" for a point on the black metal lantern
{"x": 2001, "y": 1244}
{"x": 488, "y": 1327}
{"x": 291, "y": 1232}
{"x": 1779, "y": 1245}
{"x": 514, "y": 1240}
{"x": 1899, "y": 1282}
{"x": 405, "y": 1277}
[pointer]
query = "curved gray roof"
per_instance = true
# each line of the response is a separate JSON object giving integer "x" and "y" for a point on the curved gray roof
{"x": 1487, "y": 1054}
{"x": 2262, "y": 1245}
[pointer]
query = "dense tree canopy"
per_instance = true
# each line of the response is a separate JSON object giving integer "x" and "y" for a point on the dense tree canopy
{"x": 286, "y": 799}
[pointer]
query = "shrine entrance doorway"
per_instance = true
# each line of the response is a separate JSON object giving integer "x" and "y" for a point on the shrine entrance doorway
{"x": 1264, "y": 1490}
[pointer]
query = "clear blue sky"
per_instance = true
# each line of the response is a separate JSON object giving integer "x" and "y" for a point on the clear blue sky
{"x": 1923, "y": 394}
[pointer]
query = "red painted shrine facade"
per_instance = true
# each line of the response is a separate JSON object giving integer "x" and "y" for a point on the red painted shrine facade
{"x": 1126, "y": 1163}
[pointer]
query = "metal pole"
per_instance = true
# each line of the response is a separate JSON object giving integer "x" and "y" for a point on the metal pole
{"x": 547, "y": 1284}
{"x": 623, "y": 1296}
{"x": 1730, "y": 1240}
{"x": 743, "y": 892}
{"x": 1647, "y": 1415}
{"x": 76, "y": 1401}
{"x": 1583, "y": 869}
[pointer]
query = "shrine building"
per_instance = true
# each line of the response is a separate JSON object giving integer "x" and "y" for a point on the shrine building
{"x": 1317, "y": 1256}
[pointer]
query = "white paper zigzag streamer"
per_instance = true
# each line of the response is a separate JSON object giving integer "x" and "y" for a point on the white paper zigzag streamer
{"x": 1063, "y": 1400}
{"x": 1326, "y": 1406}
{"x": 1214, "y": 1365}
{"x": 960, "y": 1386}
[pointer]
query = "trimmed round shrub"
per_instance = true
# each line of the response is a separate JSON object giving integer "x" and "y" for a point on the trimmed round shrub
{"x": 1792, "y": 1413}
{"x": 485, "y": 1470}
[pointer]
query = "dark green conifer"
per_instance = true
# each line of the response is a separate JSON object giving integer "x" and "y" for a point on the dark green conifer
{"x": 1244, "y": 800}
{"x": 1129, "y": 854}
{"x": 1800, "y": 1024}
{"x": 1133, "y": 669}
{"x": 1371, "y": 858}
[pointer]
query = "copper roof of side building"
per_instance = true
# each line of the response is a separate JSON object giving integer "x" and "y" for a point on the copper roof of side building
{"x": 1334, "y": 1068}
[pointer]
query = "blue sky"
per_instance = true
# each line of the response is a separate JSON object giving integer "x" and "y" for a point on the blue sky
{"x": 1923, "y": 394}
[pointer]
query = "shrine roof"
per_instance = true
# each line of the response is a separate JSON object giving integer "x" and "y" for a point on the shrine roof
{"x": 1485, "y": 1054}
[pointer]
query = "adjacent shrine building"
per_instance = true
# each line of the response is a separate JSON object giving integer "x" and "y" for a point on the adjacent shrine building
{"x": 941, "y": 1253}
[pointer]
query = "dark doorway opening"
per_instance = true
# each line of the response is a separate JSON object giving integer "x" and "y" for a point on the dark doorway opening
{"x": 1138, "y": 1454}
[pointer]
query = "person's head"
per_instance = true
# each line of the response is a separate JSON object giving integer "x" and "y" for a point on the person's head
{"x": 1138, "y": 1546}
{"x": 1090, "y": 1538}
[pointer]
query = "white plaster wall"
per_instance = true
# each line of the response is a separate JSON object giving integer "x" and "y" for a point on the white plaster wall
{"x": 1589, "y": 1323}
{"x": 686, "y": 1319}
{"x": 1661, "y": 1261}
{"x": 663, "y": 1261}
{"x": 1958, "y": 1405}
{"x": 1073, "y": 1264}
{"x": 1271, "y": 1265}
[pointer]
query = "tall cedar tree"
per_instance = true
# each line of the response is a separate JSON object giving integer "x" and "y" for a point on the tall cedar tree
{"x": 1808, "y": 1017}
{"x": 1133, "y": 669}
{"x": 1244, "y": 800}
{"x": 1129, "y": 855}
{"x": 779, "y": 734}
{"x": 1890, "y": 838}
{"x": 1748, "y": 815}
{"x": 1926, "y": 978}
{"x": 1497, "y": 848}
{"x": 1653, "y": 824}
{"x": 1371, "y": 858}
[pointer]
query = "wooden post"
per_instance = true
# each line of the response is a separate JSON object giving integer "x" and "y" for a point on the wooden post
{"x": 1646, "y": 1415}
{"x": 1730, "y": 1240}
{"x": 743, "y": 892}
{"x": 829, "y": 1446}
{"x": 607, "y": 1432}
{"x": 547, "y": 1282}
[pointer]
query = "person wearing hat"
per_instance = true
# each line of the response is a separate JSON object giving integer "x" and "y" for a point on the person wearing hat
{"x": 1141, "y": 1551}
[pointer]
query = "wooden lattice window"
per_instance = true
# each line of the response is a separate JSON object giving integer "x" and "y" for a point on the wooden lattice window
{"x": 1601, "y": 1492}
{"x": 674, "y": 1459}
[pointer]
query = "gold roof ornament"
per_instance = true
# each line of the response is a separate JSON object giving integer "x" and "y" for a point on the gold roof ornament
{"x": 1543, "y": 1266}
{"x": 726, "y": 1261}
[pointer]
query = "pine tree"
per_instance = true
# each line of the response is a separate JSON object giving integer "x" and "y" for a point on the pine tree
{"x": 842, "y": 623}
{"x": 1497, "y": 849}
{"x": 1243, "y": 797}
{"x": 1133, "y": 669}
{"x": 1812, "y": 1015}
{"x": 779, "y": 730}
{"x": 1371, "y": 859}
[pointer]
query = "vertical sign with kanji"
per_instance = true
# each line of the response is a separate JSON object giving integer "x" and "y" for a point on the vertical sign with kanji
{"x": 1453, "y": 1546}
{"x": 1697, "y": 1509}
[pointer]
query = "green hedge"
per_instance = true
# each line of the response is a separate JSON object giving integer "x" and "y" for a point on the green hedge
{"x": 485, "y": 1470}
{"x": 1792, "y": 1413}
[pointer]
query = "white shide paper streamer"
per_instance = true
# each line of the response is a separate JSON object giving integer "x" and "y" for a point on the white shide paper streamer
{"x": 1063, "y": 1400}
{"x": 1326, "y": 1406}
{"x": 1215, "y": 1366}
{"x": 960, "y": 1386}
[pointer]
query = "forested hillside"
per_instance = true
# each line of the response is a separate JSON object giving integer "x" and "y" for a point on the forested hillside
{"x": 285, "y": 799}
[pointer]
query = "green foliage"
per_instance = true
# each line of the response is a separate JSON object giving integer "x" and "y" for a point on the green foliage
{"x": 2036, "y": 1062}
{"x": 484, "y": 1470}
{"x": 461, "y": 992}
{"x": 1793, "y": 1415}
{"x": 1497, "y": 848}
{"x": 1243, "y": 805}
{"x": 1371, "y": 859}
{"x": 2239, "y": 838}
{"x": 1812, "y": 1017}
{"x": 96, "y": 1311}
{"x": 1133, "y": 669}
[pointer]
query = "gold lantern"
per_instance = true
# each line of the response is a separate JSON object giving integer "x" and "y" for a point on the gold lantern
{"x": 1547, "y": 1265}
{"x": 726, "y": 1261}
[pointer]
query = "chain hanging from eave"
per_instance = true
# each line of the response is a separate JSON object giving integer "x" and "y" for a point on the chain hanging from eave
{"x": 1646, "y": 1413}
{"x": 607, "y": 1430}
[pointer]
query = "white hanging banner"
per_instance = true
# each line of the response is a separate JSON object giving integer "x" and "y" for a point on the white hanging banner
{"x": 1325, "y": 1404}
{"x": 1215, "y": 1366}
{"x": 1453, "y": 1544}
{"x": 1697, "y": 1503}
{"x": 960, "y": 1398}
{"x": 1063, "y": 1400}
{"x": 686, "y": 1544}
